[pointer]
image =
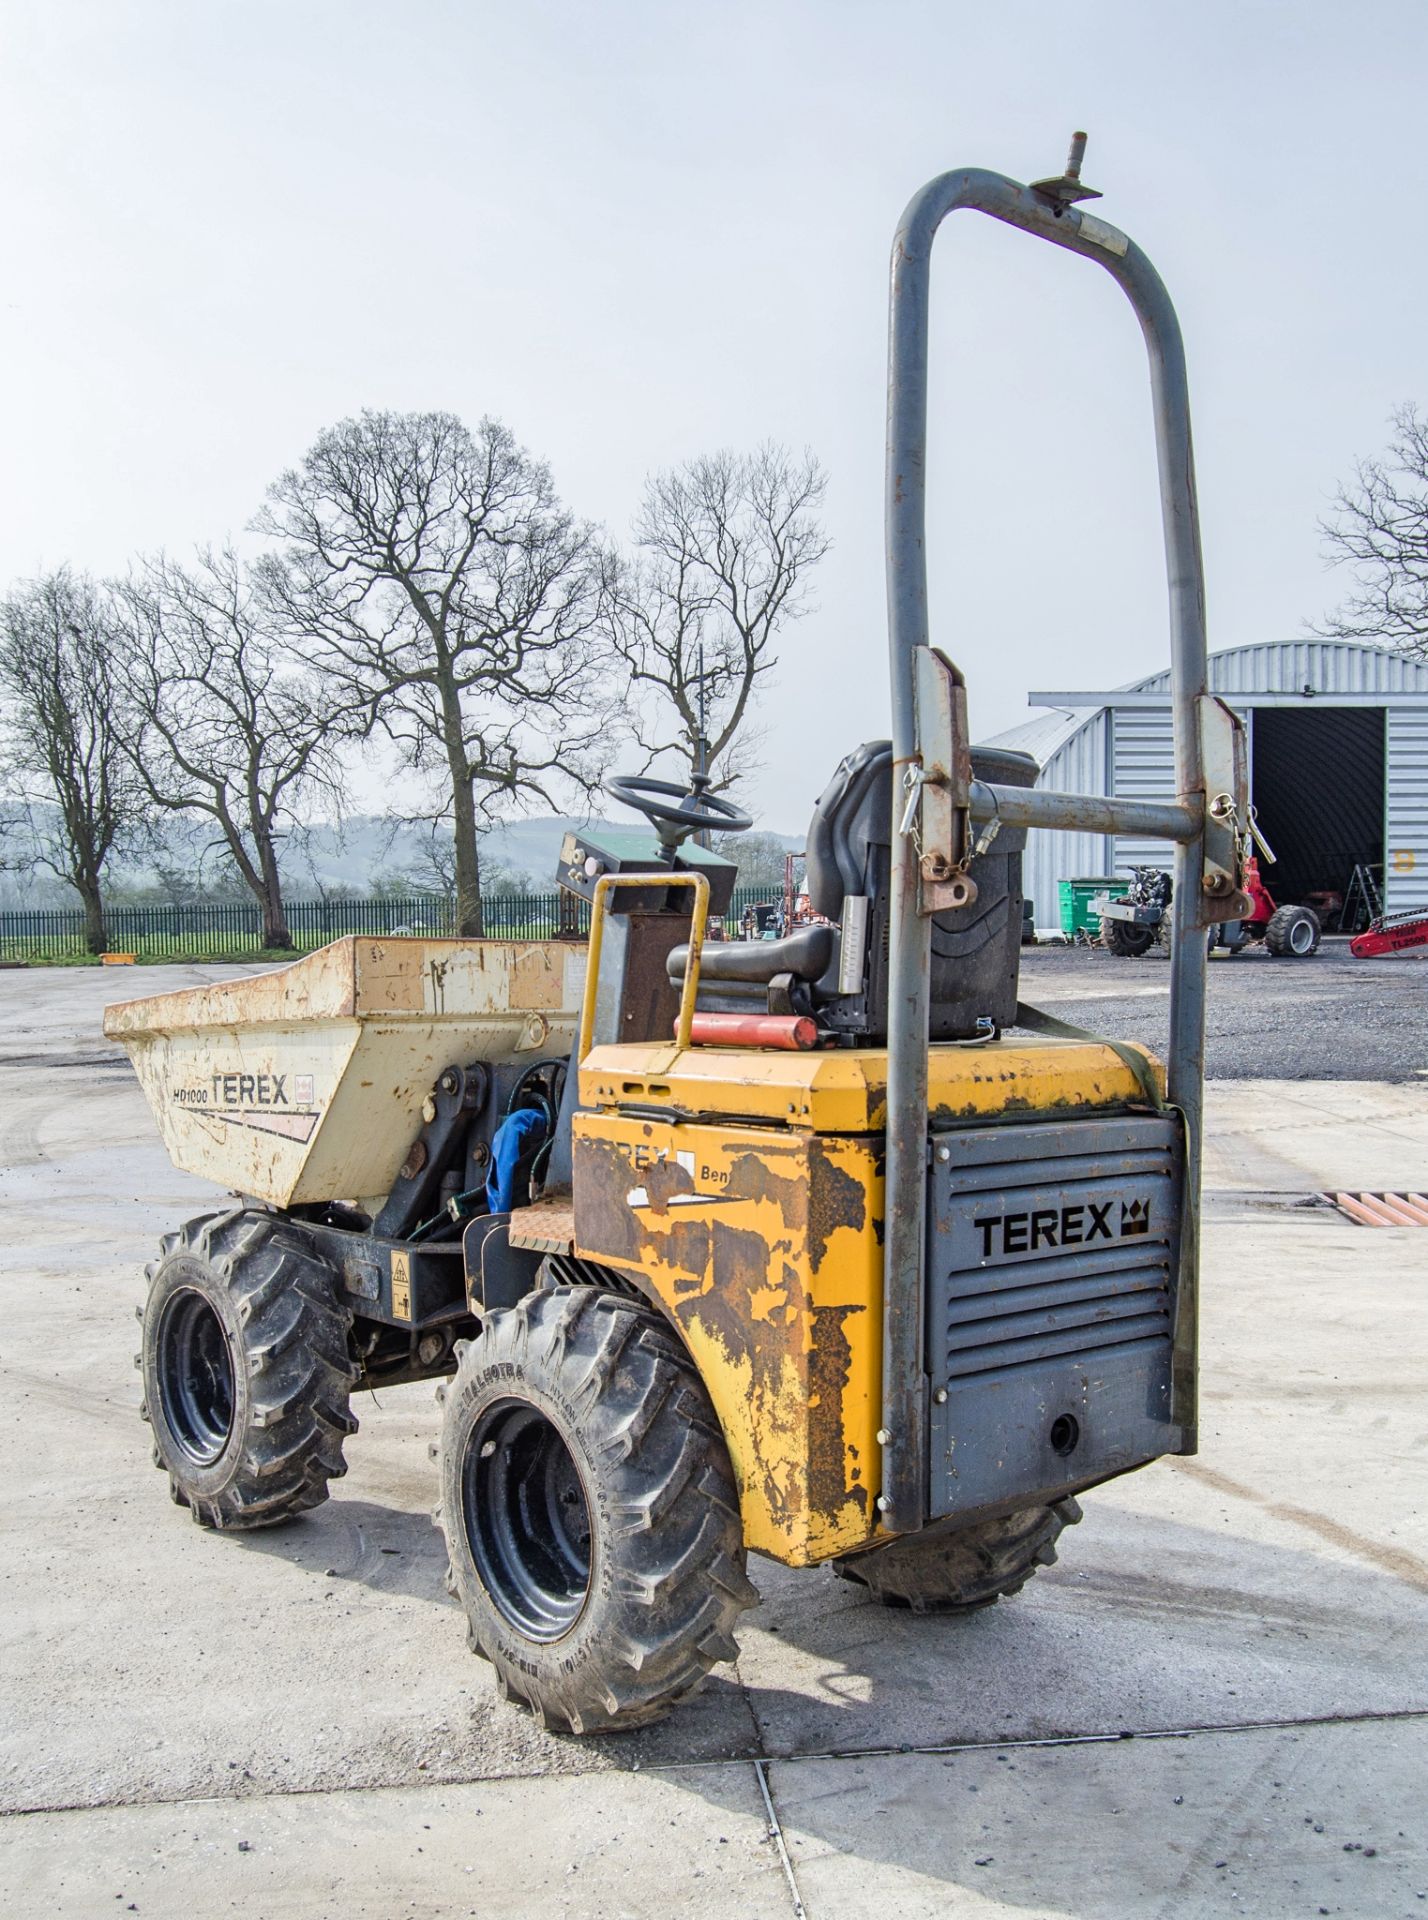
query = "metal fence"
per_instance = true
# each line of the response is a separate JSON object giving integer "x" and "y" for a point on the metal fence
{"x": 224, "y": 930}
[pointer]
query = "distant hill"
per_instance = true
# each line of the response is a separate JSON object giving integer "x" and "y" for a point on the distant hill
{"x": 368, "y": 845}
{"x": 365, "y": 850}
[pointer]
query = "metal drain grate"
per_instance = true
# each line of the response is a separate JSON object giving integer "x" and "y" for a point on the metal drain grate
{"x": 1381, "y": 1209}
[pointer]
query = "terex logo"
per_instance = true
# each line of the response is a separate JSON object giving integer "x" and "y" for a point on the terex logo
{"x": 250, "y": 1089}
{"x": 1074, "y": 1226}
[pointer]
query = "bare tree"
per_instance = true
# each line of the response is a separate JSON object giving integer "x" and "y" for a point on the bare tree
{"x": 445, "y": 587}
{"x": 1380, "y": 530}
{"x": 723, "y": 548}
{"x": 760, "y": 858}
{"x": 432, "y": 869}
{"x": 233, "y": 725}
{"x": 61, "y": 734}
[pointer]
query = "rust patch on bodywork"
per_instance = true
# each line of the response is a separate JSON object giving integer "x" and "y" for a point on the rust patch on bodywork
{"x": 762, "y": 1250}
{"x": 663, "y": 1181}
{"x": 836, "y": 1199}
{"x": 537, "y": 978}
{"x": 833, "y": 1473}
{"x": 726, "y": 1314}
{"x": 752, "y": 1177}
{"x": 605, "y": 1219}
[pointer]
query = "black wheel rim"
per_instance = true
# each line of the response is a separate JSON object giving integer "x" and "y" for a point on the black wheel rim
{"x": 527, "y": 1519}
{"x": 195, "y": 1377}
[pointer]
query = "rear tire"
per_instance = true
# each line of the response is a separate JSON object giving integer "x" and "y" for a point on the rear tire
{"x": 1293, "y": 933}
{"x": 965, "y": 1570}
{"x": 246, "y": 1370}
{"x": 1126, "y": 940}
{"x": 590, "y": 1511}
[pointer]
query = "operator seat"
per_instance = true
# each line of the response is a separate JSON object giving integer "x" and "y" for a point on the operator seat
{"x": 838, "y": 974}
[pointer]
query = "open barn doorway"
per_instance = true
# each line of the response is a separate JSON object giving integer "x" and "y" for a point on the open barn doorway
{"x": 1317, "y": 779}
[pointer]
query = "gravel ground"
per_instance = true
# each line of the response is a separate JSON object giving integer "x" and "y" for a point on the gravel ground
{"x": 1328, "y": 1018}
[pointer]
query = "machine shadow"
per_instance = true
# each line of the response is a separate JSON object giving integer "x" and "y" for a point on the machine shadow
{"x": 397, "y": 1553}
{"x": 1146, "y": 1626}
{"x": 1151, "y": 1625}
{"x": 388, "y": 1549}
{"x": 834, "y": 1679}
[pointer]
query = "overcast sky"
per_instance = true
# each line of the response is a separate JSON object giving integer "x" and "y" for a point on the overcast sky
{"x": 635, "y": 231}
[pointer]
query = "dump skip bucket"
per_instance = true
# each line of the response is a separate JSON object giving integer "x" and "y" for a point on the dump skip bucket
{"x": 307, "y": 1084}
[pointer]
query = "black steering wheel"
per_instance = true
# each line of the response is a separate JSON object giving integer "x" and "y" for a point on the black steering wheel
{"x": 675, "y": 812}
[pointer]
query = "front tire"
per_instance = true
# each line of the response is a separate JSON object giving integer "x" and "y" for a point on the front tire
{"x": 1293, "y": 933}
{"x": 964, "y": 1570}
{"x": 590, "y": 1511}
{"x": 246, "y": 1370}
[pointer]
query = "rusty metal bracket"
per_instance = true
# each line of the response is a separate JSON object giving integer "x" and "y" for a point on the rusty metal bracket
{"x": 1065, "y": 189}
{"x": 1226, "y": 768}
{"x": 943, "y": 786}
{"x": 416, "y": 1191}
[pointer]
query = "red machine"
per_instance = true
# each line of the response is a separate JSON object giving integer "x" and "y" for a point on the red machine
{"x": 1391, "y": 933}
{"x": 1263, "y": 912}
{"x": 1289, "y": 932}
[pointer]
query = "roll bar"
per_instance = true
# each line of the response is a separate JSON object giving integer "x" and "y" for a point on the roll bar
{"x": 1203, "y": 891}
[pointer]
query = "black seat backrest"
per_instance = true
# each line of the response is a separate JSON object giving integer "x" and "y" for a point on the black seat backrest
{"x": 975, "y": 950}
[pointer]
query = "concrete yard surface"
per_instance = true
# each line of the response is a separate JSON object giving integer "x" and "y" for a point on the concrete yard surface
{"x": 639, "y": 1845}
{"x": 1301, "y": 1820}
{"x": 289, "y": 1723}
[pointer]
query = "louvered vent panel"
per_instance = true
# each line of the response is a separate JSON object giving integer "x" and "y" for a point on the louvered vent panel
{"x": 1051, "y": 1270}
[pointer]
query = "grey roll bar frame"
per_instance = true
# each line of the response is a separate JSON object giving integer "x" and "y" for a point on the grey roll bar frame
{"x": 1047, "y": 212}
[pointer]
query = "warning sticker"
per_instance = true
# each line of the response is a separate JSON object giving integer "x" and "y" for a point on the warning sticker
{"x": 401, "y": 1284}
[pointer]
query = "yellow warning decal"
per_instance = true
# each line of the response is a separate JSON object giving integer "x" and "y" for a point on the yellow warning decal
{"x": 401, "y": 1284}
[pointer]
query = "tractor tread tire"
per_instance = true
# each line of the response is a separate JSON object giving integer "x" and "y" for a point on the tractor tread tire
{"x": 668, "y": 1580}
{"x": 288, "y": 1338}
{"x": 1279, "y": 933}
{"x": 965, "y": 1570}
{"x": 1125, "y": 940}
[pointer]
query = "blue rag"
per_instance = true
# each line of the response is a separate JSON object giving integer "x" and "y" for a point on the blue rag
{"x": 517, "y": 1133}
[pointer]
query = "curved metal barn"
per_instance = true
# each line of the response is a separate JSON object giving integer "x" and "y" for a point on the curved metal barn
{"x": 1338, "y": 736}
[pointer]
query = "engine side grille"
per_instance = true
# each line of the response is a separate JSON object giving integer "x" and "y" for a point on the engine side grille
{"x": 1051, "y": 1272}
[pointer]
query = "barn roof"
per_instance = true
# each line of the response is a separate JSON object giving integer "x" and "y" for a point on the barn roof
{"x": 1043, "y": 734}
{"x": 1276, "y": 666}
{"x": 1289, "y": 666}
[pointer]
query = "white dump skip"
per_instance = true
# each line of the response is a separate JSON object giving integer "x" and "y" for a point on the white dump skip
{"x": 307, "y": 1084}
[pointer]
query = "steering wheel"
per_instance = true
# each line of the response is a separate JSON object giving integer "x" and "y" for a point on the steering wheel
{"x": 674, "y": 812}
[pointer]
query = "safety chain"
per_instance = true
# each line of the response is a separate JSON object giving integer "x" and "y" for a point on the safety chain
{"x": 913, "y": 781}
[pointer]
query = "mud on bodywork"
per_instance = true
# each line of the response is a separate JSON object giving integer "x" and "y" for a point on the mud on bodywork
{"x": 764, "y": 1248}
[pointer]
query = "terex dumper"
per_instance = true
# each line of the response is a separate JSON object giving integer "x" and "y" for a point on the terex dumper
{"x": 821, "y": 1246}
